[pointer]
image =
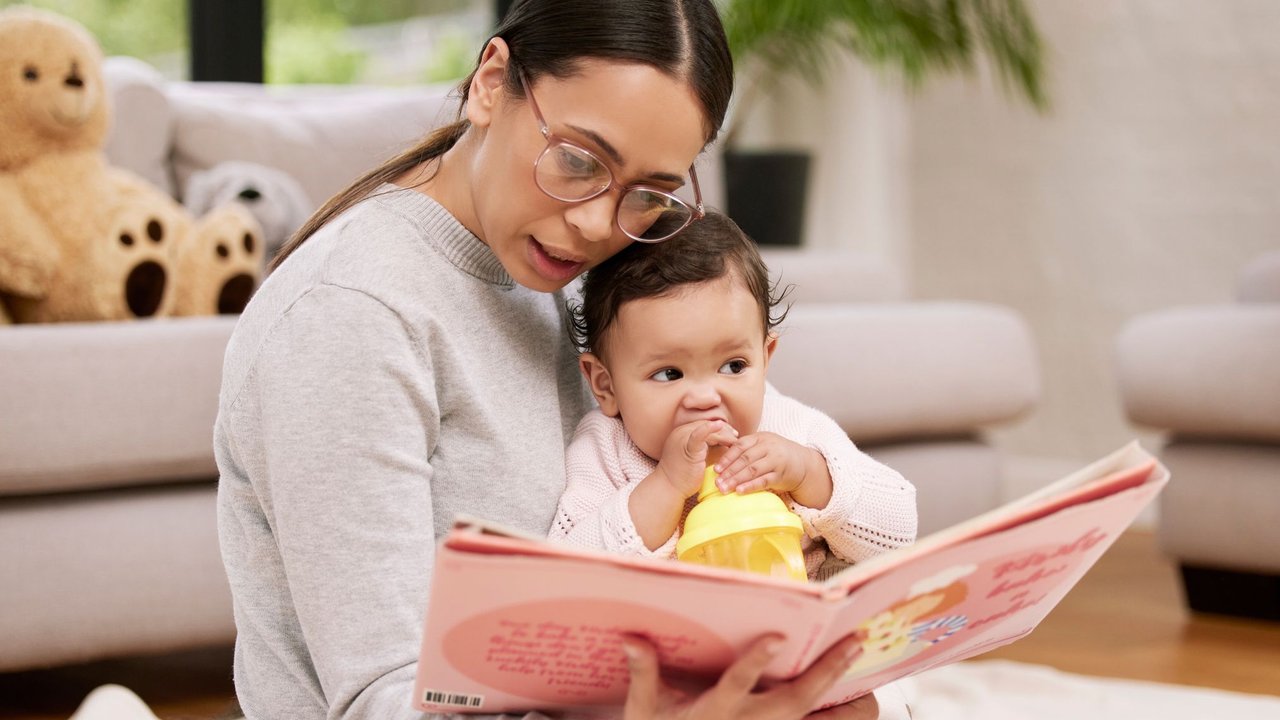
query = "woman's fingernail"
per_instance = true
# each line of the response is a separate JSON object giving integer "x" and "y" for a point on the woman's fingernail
{"x": 630, "y": 652}
{"x": 852, "y": 653}
{"x": 773, "y": 645}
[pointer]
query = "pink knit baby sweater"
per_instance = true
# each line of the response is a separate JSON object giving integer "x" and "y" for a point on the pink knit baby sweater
{"x": 872, "y": 508}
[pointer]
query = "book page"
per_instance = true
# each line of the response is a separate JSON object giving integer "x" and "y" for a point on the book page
{"x": 969, "y": 597}
{"x": 1128, "y": 467}
{"x": 520, "y": 631}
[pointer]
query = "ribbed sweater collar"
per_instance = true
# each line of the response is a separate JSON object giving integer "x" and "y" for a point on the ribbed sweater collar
{"x": 456, "y": 243}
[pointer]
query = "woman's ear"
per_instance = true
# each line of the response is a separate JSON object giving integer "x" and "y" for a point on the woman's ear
{"x": 601, "y": 383}
{"x": 485, "y": 90}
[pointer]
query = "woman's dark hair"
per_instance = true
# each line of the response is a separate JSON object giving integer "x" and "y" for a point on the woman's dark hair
{"x": 707, "y": 250}
{"x": 682, "y": 38}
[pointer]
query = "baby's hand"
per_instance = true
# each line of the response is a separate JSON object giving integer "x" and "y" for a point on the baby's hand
{"x": 765, "y": 461}
{"x": 684, "y": 455}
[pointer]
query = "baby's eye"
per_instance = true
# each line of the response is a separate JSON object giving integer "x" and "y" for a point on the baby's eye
{"x": 734, "y": 367}
{"x": 667, "y": 375}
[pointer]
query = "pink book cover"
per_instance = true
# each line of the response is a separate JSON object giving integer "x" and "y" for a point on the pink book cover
{"x": 518, "y": 624}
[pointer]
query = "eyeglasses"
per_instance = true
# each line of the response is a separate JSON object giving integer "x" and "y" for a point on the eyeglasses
{"x": 573, "y": 174}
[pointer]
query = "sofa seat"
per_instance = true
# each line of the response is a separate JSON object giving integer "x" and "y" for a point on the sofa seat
{"x": 108, "y": 540}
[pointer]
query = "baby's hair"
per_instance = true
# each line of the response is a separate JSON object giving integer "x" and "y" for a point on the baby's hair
{"x": 709, "y": 249}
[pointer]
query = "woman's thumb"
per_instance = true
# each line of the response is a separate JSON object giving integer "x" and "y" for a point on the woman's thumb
{"x": 642, "y": 692}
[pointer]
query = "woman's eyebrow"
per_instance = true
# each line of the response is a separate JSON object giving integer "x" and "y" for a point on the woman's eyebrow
{"x": 617, "y": 156}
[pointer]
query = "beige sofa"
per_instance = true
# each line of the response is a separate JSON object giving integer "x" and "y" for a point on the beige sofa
{"x": 1209, "y": 378}
{"x": 107, "y": 480}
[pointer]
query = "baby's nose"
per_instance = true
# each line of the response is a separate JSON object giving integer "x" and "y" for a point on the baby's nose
{"x": 702, "y": 395}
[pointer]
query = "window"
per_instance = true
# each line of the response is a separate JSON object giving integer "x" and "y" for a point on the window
{"x": 152, "y": 30}
{"x": 387, "y": 42}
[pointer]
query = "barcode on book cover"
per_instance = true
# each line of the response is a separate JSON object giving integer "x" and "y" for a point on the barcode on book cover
{"x": 435, "y": 697}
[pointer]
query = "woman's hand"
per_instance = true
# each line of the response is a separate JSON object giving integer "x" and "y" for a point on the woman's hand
{"x": 767, "y": 461}
{"x": 734, "y": 696}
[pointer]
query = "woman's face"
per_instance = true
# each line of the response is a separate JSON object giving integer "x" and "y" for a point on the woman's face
{"x": 646, "y": 126}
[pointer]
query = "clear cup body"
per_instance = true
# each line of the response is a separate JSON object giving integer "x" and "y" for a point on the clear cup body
{"x": 773, "y": 552}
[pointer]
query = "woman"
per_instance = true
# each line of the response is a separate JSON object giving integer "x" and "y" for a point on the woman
{"x": 407, "y": 359}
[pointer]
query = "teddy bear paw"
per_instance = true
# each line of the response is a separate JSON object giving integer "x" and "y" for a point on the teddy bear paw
{"x": 145, "y": 283}
{"x": 219, "y": 270}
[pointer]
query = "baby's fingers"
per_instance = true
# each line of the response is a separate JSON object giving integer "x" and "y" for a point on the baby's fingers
{"x": 748, "y": 485}
{"x": 700, "y": 436}
{"x": 725, "y": 465}
{"x": 751, "y": 460}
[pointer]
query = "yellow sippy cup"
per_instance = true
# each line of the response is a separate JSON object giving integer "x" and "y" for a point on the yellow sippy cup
{"x": 754, "y": 532}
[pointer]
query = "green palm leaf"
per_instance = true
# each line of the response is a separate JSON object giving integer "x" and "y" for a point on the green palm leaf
{"x": 771, "y": 39}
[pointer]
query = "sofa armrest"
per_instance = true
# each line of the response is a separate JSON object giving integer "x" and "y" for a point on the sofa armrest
{"x": 897, "y": 371}
{"x": 1260, "y": 279}
{"x": 141, "y": 134}
{"x": 98, "y": 404}
{"x": 1204, "y": 371}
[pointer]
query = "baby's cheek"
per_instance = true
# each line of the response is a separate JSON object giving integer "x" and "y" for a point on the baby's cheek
{"x": 647, "y": 435}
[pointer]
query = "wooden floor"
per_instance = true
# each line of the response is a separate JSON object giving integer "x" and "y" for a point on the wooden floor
{"x": 1125, "y": 619}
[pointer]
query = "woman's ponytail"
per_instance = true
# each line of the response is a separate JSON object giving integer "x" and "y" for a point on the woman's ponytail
{"x": 431, "y": 147}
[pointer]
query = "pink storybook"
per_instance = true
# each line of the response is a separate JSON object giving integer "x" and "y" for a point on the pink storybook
{"x": 516, "y": 623}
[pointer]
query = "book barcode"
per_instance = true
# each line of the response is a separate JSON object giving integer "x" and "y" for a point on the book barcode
{"x": 436, "y": 697}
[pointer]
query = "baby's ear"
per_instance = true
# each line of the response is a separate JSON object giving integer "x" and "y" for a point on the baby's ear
{"x": 601, "y": 383}
{"x": 770, "y": 344}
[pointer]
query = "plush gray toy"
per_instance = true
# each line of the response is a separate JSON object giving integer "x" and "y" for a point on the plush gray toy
{"x": 273, "y": 197}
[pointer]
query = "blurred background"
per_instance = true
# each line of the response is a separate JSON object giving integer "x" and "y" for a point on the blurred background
{"x": 1146, "y": 179}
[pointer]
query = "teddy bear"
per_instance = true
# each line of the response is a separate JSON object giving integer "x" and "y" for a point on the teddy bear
{"x": 79, "y": 239}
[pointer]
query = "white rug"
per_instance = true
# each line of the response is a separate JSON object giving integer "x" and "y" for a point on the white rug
{"x": 976, "y": 690}
{"x": 1003, "y": 690}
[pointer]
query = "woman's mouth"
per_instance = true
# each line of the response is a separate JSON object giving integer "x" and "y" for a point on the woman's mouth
{"x": 553, "y": 264}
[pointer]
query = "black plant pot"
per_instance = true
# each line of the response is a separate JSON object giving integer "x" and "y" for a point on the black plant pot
{"x": 766, "y": 194}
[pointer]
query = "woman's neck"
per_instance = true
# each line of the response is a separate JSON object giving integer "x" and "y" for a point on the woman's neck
{"x": 447, "y": 180}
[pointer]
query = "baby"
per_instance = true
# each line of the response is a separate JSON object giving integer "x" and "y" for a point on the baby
{"x": 676, "y": 339}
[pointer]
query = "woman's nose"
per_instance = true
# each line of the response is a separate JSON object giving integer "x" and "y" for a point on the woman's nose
{"x": 593, "y": 218}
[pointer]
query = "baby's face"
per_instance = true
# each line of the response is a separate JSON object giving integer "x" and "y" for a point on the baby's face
{"x": 700, "y": 354}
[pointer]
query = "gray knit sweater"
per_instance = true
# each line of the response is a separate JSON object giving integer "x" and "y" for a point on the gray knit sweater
{"x": 389, "y": 375}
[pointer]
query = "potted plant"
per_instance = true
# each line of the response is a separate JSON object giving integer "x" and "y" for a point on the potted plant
{"x": 772, "y": 40}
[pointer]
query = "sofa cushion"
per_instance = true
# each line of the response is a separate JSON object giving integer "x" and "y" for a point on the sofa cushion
{"x": 323, "y": 136}
{"x": 106, "y": 404}
{"x": 1220, "y": 508}
{"x": 110, "y": 574}
{"x": 901, "y": 371}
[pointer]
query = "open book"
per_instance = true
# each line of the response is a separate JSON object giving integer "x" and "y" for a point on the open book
{"x": 516, "y": 623}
